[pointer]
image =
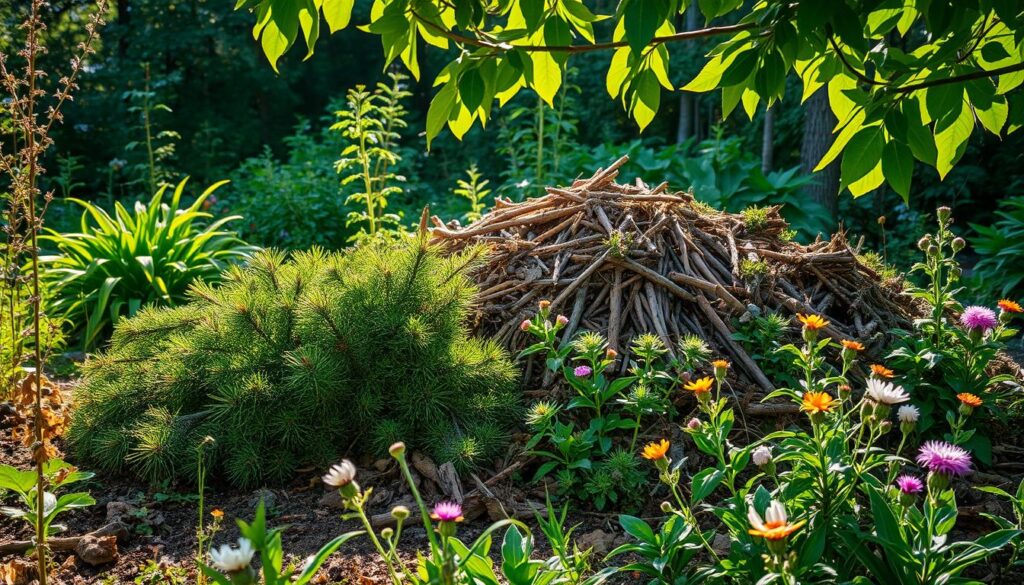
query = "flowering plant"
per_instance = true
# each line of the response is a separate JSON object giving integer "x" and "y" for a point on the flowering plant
{"x": 56, "y": 475}
{"x": 942, "y": 360}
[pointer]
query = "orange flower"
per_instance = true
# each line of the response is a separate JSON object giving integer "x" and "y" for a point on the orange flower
{"x": 775, "y": 525}
{"x": 812, "y": 322}
{"x": 655, "y": 451}
{"x": 701, "y": 385}
{"x": 969, "y": 399}
{"x": 217, "y": 513}
{"x": 815, "y": 402}
{"x": 1010, "y": 306}
{"x": 852, "y": 345}
{"x": 881, "y": 371}
{"x": 723, "y": 364}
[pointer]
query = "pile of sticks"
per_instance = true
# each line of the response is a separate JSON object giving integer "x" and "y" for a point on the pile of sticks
{"x": 629, "y": 259}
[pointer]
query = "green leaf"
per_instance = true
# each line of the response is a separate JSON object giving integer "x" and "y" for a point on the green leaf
{"x": 471, "y": 89}
{"x": 951, "y": 142}
{"x": 637, "y": 528}
{"x": 547, "y": 76}
{"x": 642, "y": 18}
{"x": 705, "y": 482}
{"x": 338, "y": 13}
{"x": 861, "y": 154}
{"x": 439, "y": 110}
{"x": 314, "y": 563}
{"x": 898, "y": 167}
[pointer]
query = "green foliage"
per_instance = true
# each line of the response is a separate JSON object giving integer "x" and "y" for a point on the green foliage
{"x": 475, "y": 191}
{"x": 22, "y": 484}
{"x": 1001, "y": 247}
{"x": 116, "y": 265}
{"x": 760, "y": 337}
{"x": 905, "y": 81}
{"x": 287, "y": 362}
{"x": 370, "y": 123}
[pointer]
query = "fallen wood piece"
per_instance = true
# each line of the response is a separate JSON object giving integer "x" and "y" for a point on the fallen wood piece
{"x": 95, "y": 548}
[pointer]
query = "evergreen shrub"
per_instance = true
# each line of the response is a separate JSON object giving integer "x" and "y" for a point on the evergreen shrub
{"x": 293, "y": 361}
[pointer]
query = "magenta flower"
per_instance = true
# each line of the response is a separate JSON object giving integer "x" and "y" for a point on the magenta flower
{"x": 909, "y": 485}
{"x": 944, "y": 458}
{"x": 975, "y": 317}
{"x": 447, "y": 512}
{"x": 582, "y": 371}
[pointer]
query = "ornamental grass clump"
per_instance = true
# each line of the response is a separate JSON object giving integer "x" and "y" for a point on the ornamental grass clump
{"x": 292, "y": 361}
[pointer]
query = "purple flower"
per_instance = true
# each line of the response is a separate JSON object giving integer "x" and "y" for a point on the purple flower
{"x": 582, "y": 371}
{"x": 944, "y": 458}
{"x": 447, "y": 512}
{"x": 909, "y": 484}
{"x": 976, "y": 317}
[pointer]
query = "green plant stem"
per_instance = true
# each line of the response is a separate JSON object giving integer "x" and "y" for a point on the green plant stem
{"x": 690, "y": 519}
{"x": 149, "y": 135}
{"x": 392, "y": 574}
{"x": 419, "y": 503}
{"x": 364, "y": 159}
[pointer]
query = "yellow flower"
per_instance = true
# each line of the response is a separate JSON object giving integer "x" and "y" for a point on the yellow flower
{"x": 881, "y": 371}
{"x": 969, "y": 399}
{"x": 812, "y": 322}
{"x": 723, "y": 364}
{"x": 1010, "y": 306}
{"x": 700, "y": 386}
{"x": 655, "y": 451}
{"x": 815, "y": 402}
{"x": 217, "y": 513}
{"x": 852, "y": 345}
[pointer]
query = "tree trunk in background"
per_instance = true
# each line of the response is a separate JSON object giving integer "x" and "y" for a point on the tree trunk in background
{"x": 818, "y": 124}
{"x": 767, "y": 141}
{"x": 687, "y": 112}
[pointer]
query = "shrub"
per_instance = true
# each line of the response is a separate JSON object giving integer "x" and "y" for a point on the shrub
{"x": 290, "y": 362}
{"x": 1001, "y": 247}
{"x": 119, "y": 264}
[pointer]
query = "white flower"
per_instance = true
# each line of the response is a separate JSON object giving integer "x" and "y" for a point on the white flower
{"x": 774, "y": 516}
{"x": 340, "y": 475}
{"x": 885, "y": 392}
{"x": 49, "y": 502}
{"x": 908, "y": 413}
{"x": 231, "y": 560}
{"x": 762, "y": 455}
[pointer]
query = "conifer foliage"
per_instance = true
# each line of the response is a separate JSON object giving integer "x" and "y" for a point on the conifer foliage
{"x": 291, "y": 361}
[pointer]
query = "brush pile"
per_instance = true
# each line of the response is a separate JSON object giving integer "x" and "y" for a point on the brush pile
{"x": 629, "y": 259}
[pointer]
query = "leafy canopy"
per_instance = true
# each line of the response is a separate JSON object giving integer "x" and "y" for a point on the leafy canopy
{"x": 906, "y": 79}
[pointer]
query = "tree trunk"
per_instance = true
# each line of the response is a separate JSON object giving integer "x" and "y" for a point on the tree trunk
{"x": 818, "y": 125}
{"x": 686, "y": 99}
{"x": 767, "y": 141}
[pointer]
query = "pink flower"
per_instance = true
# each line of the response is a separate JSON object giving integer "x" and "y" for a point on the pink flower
{"x": 975, "y": 317}
{"x": 524, "y": 325}
{"x": 562, "y": 320}
{"x": 582, "y": 371}
{"x": 447, "y": 512}
{"x": 694, "y": 424}
{"x": 909, "y": 485}
{"x": 944, "y": 458}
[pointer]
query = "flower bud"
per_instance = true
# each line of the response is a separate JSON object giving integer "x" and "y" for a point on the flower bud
{"x": 693, "y": 424}
{"x": 881, "y": 220}
{"x": 611, "y": 354}
{"x": 666, "y": 507}
{"x": 944, "y": 214}
{"x": 845, "y": 392}
{"x": 937, "y": 482}
{"x": 924, "y": 242}
{"x": 885, "y": 426}
{"x": 562, "y": 320}
{"x": 399, "y": 513}
{"x": 544, "y": 305}
{"x": 387, "y": 532}
{"x": 958, "y": 244}
{"x": 397, "y": 450}
{"x": 525, "y": 325}
{"x": 932, "y": 250}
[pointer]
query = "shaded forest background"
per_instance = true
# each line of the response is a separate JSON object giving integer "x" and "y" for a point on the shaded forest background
{"x": 189, "y": 74}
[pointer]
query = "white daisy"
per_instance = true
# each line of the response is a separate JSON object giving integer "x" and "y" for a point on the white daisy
{"x": 885, "y": 392}
{"x": 340, "y": 475}
{"x": 231, "y": 560}
{"x": 908, "y": 413}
